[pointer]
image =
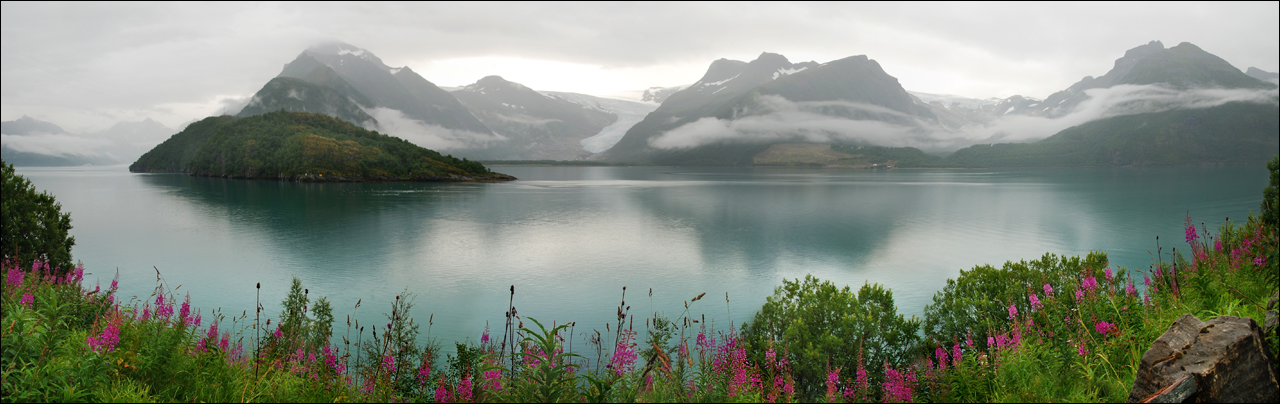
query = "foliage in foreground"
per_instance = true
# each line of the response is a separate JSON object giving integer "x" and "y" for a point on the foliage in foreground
{"x": 1055, "y": 329}
{"x": 33, "y": 227}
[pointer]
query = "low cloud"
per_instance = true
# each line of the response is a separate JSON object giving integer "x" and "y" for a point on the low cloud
{"x": 776, "y": 119}
{"x": 434, "y": 137}
{"x": 1114, "y": 101}
{"x": 55, "y": 145}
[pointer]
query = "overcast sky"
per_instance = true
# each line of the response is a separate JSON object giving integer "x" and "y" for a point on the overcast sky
{"x": 87, "y": 66}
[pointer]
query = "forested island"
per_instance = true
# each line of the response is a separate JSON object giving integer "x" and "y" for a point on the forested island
{"x": 301, "y": 146}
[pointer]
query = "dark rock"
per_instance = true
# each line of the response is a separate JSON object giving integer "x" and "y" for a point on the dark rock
{"x": 1224, "y": 359}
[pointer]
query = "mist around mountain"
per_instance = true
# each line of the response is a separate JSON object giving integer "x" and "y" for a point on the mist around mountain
{"x": 533, "y": 125}
{"x": 30, "y": 142}
{"x": 726, "y": 120}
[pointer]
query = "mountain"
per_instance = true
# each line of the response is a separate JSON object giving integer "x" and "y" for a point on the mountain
{"x": 1273, "y": 78}
{"x": 130, "y": 139}
{"x": 1181, "y": 67}
{"x": 29, "y": 126}
{"x": 302, "y": 146}
{"x": 298, "y": 95}
{"x": 395, "y": 88}
{"x": 657, "y": 95}
{"x": 1233, "y": 133}
{"x": 536, "y": 126}
{"x": 738, "y": 109}
{"x": 628, "y": 112}
{"x": 28, "y": 142}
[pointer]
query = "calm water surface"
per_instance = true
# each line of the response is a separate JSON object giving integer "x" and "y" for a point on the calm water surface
{"x": 569, "y": 238}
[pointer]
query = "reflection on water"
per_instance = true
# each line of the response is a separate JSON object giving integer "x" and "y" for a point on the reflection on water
{"x": 569, "y": 238}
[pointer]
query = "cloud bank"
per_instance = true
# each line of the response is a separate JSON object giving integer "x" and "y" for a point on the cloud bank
{"x": 776, "y": 119}
{"x": 434, "y": 137}
{"x": 55, "y": 145}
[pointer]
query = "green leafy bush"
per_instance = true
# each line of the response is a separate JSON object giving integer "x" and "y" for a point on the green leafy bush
{"x": 819, "y": 327}
{"x": 33, "y": 227}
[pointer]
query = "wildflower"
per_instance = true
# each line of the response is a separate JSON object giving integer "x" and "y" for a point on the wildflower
{"x": 1104, "y": 327}
{"x": 278, "y": 333}
{"x": 1089, "y": 284}
{"x": 388, "y": 363}
{"x": 78, "y": 274}
{"x": 464, "y": 390}
{"x": 991, "y": 342}
{"x": 146, "y": 313}
{"x": 1217, "y": 245}
{"x": 27, "y": 300}
{"x": 442, "y": 394}
{"x": 15, "y": 278}
{"x": 1110, "y": 276}
{"x": 942, "y": 358}
{"x": 955, "y": 355}
{"x": 1192, "y": 236}
{"x": 624, "y": 356}
{"x": 1048, "y": 290}
{"x": 226, "y": 341}
{"x": 107, "y": 340}
{"x": 1035, "y": 302}
{"x": 1080, "y": 349}
{"x": 1129, "y": 290}
{"x": 833, "y": 380}
{"x": 484, "y": 338}
{"x": 1079, "y": 295}
{"x": 185, "y": 312}
{"x": 200, "y": 346}
{"x": 493, "y": 380}
{"x": 1260, "y": 261}
{"x": 1013, "y": 311}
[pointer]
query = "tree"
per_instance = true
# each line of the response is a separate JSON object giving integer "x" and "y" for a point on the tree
{"x": 33, "y": 227}
{"x": 820, "y": 326}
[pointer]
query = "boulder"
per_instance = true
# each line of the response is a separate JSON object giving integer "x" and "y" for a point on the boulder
{"x": 1224, "y": 359}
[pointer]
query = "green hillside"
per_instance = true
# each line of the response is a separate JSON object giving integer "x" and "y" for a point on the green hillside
{"x": 302, "y": 147}
{"x": 1234, "y": 133}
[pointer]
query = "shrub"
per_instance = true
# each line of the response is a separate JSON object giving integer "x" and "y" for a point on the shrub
{"x": 32, "y": 225}
{"x": 819, "y": 326}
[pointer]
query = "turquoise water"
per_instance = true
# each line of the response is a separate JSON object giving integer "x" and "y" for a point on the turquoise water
{"x": 570, "y": 238}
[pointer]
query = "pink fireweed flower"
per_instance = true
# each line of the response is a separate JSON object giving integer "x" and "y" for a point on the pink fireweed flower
{"x": 442, "y": 394}
{"x": 200, "y": 346}
{"x": 185, "y": 312}
{"x": 955, "y": 355}
{"x": 833, "y": 381}
{"x": 1110, "y": 276}
{"x": 484, "y": 338}
{"x": 278, "y": 333}
{"x": 1104, "y": 327}
{"x": 1035, "y": 302}
{"x": 226, "y": 341}
{"x": 942, "y": 358}
{"x": 1013, "y": 311}
{"x": 991, "y": 342}
{"x": 1079, "y": 295}
{"x": 15, "y": 278}
{"x": 1089, "y": 284}
{"x": 1081, "y": 350}
{"x": 27, "y": 300}
{"x": 1129, "y": 290}
{"x": 1192, "y": 236}
{"x": 1260, "y": 261}
{"x": 624, "y": 356}
{"x": 464, "y": 391}
{"x": 1048, "y": 290}
{"x": 1217, "y": 245}
{"x": 493, "y": 380}
{"x": 146, "y": 313}
{"x": 107, "y": 340}
{"x": 213, "y": 331}
{"x": 389, "y": 363}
